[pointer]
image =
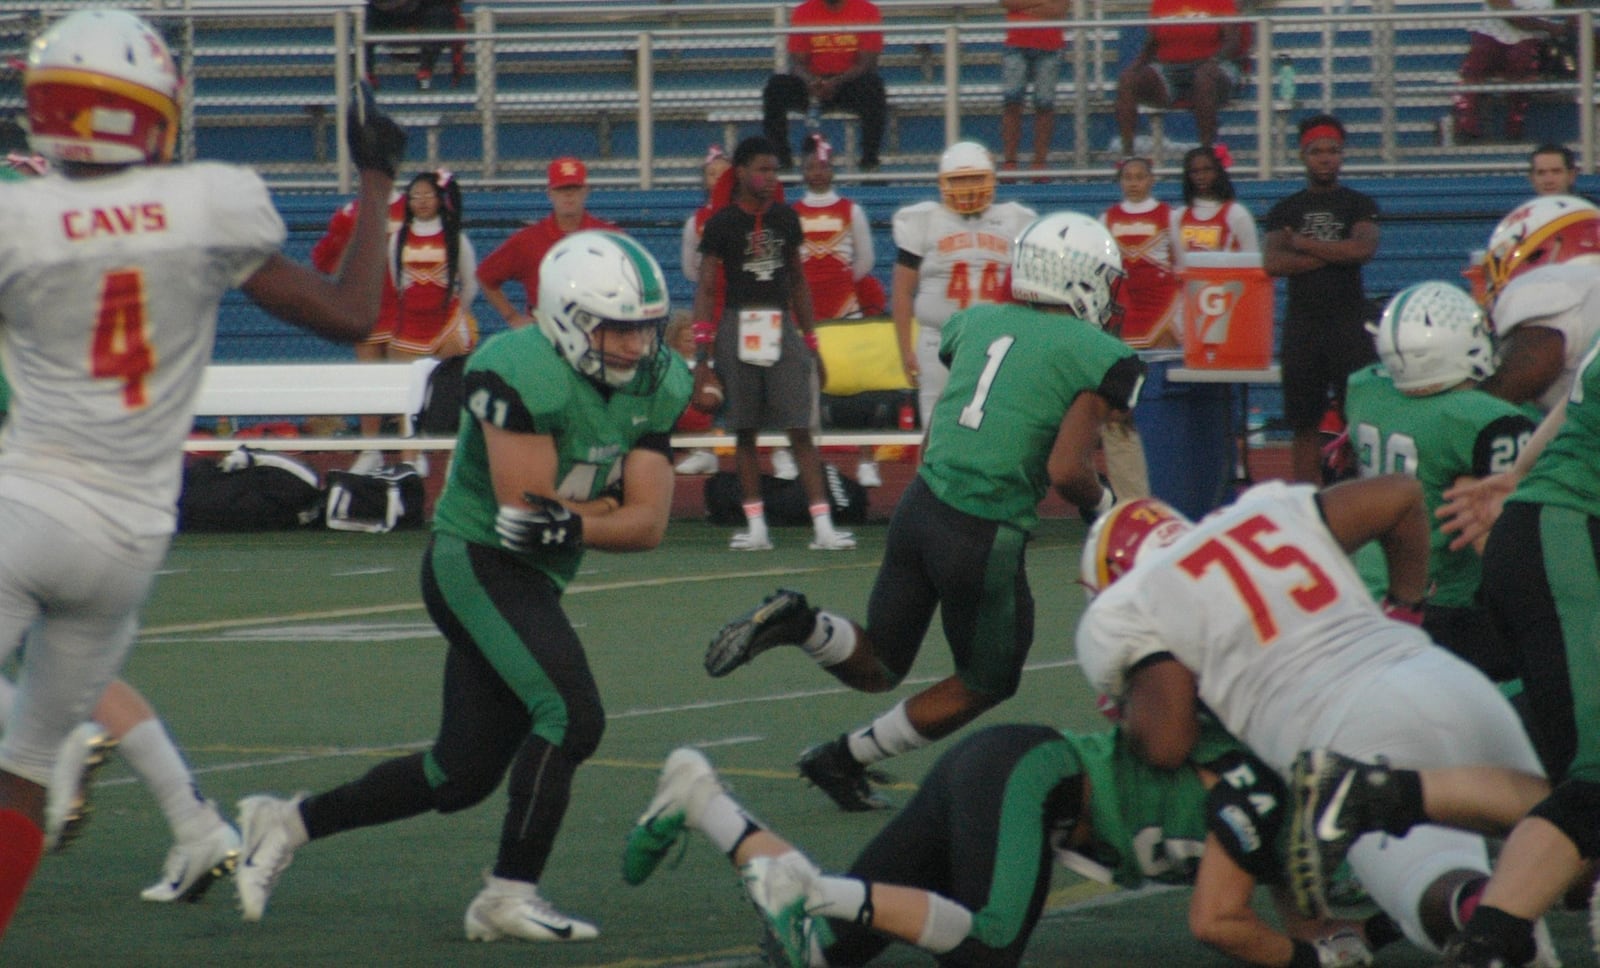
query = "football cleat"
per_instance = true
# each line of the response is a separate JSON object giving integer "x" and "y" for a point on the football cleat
{"x": 271, "y": 829}
{"x": 749, "y": 541}
{"x": 783, "y": 466}
{"x": 782, "y": 618}
{"x": 66, "y": 807}
{"x": 777, "y": 886}
{"x": 515, "y": 909}
{"x": 831, "y": 768}
{"x": 687, "y": 784}
{"x": 194, "y": 865}
{"x": 834, "y": 541}
{"x": 1337, "y": 800}
{"x": 698, "y": 462}
{"x": 868, "y": 475}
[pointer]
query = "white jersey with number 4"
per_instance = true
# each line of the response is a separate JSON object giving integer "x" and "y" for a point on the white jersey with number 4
{"x": 964, "y": 257}
{"x": 1264, "y": 606}
{"x": 109, "y": 288}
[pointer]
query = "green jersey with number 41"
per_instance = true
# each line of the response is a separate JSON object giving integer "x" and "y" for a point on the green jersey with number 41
{"x": 518, "y": 382}
{"x": 1014, "y": 372}
{"x": 1437, "y": 439}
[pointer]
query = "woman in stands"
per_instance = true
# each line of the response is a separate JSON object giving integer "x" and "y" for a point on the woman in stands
{"x": 1211, "y": 220}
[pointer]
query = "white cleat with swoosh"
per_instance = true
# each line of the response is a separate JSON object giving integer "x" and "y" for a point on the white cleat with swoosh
{"x": 514, "y": 909}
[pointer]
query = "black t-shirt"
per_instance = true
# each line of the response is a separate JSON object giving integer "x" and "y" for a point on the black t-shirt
{"x": 1332, "y": 293}
{"x": 755, "y": 251}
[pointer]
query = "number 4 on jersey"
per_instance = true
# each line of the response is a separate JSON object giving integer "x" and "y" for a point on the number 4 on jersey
{"x": 121, "y": 349}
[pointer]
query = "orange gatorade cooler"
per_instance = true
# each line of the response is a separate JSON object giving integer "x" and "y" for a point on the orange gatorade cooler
{"x": 1227, "y": 311}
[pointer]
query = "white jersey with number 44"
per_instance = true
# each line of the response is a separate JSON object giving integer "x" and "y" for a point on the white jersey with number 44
{"x": 109, "y": 288}
{"x": 964, "y": 257}
{"x": 1262, "y": 604}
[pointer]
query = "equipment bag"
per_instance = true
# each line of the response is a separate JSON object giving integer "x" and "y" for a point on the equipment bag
{"x": 374, "y": 503}
{"x": 249, "y": 490}
{"x": 785, "y": 500}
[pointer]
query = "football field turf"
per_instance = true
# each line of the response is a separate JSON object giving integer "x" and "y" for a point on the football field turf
{"x": 284, "y": 663}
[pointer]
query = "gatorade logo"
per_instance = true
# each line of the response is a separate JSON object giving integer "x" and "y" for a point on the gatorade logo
{"x": 1216, "y": 302}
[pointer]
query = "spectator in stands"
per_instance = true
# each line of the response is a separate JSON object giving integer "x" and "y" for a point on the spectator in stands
{"x": 1211, "y": 218}
{"x": 949, "y": 255}
{"x": 836, "y": 256}
{"x": 1192, "y": 65}
{"x": 680, "y": 337}
{"x": 829, "y": 70}
{"x": 1032, "y": 55}
{"x": 426, "y": 16}
{"x": 1552, "y": 170}
{"x": 90, "y": 490}
{"x": 712, "y": 169}
{"x": 1141, "y": 224}
{"x": 1319, "y": 238}
{"x": 1505, "y": 48}
{"x": 518, "y": 257}
{"x": 765, "y": 343}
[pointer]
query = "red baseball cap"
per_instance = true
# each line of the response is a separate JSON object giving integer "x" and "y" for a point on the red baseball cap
{"x": 567, "y": 171}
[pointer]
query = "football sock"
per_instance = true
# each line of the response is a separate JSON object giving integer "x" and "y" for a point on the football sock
{"x": 845, "y": 898}
{"x": 21, "y": 843}
{"x": 948, "y": 925}
{"x": 822, "y": 520}
{"x": 889, "y": 735}
{"x": 832, "y": 639}
{"x": 725, "y": 823}
{"x": 755, "y": 517}
{"x": 150, "y": 751}
{"x": 1506, "y": 934}
{"x": 1465, "y": 901}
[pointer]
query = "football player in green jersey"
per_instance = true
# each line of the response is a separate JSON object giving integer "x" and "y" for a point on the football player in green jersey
{"x": 1030, "y": 386}
{"x": 568, "y": 447}
{"x": 964, "y": 869}
{"x": 1420, "y": 412}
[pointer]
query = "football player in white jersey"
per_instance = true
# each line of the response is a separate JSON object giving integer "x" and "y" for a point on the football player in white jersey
{"x": 1541, "y": 330}
{"x": 111, "y": 271}
{"x": 949, "y": 255}
{"x": 1257, "y": 612}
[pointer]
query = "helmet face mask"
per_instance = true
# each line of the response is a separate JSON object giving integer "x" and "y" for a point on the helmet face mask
{"x": 1068, "y": 259}
{"x": 102, "y": 89}
{"x": 1547, "y": 230}
{"x": 966, "y": 178}
{"x": 1123, "y": 535}
{"x": 599, "y": 287}
{"x": 1431, "y": 337}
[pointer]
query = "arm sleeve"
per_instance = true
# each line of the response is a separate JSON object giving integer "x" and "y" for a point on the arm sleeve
{"x": 689, "y": 250}
{"x": 467, "y": 271}
{"x": 1243, "y": 226}
{"x": 1122, "y": 382}
{"x": 861, "y": 234}
{"x": 1498, "y": 444}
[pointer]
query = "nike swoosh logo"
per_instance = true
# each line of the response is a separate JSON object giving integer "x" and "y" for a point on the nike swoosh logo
{"x": 563, "y": 932}
{"x": 1326, "y": 829}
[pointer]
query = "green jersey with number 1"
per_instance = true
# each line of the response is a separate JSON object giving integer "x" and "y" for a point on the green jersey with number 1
{"x": 1437, "y": 438}
{"x": 518, "y": 382}
{"x": 1014, "y": 372}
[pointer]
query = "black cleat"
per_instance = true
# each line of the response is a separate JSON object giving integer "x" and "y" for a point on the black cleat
{"x": 831, "y": 768}
{"x": 782, "y": 618}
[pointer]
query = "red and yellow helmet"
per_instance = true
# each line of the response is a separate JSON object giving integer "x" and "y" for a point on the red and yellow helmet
{"x": 1121, "y": 535}
{"x": 101, "y": 89}
{"x": 1542, "y": 231}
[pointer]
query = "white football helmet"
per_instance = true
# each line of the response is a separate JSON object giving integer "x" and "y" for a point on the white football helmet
{"x": 1068, "y": 259}
{"x": 101, "y": 89}
{"x": 966, "y": 178}
{"x": 1431, "y": 337}
{"x": 1123, "y": 534}
{"x": 594, "y": 279}
{"x": 1545, "y": 230}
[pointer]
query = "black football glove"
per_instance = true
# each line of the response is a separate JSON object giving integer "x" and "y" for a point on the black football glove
{"x": 376, "y": 142}
{"x": 546, "y": 525}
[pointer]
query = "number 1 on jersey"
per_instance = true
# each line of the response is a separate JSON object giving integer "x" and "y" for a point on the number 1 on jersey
{"x": 121, "y": 349}
{"x": 972, "y": 414}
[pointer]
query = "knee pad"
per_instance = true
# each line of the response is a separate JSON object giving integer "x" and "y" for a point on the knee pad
{"x": 1574, "y": 807}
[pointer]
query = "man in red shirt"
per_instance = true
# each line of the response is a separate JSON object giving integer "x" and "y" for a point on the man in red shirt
{"x": 1194, "y": 65}
{"x": 830, "y": 70}
{"x": 518, "y": 257}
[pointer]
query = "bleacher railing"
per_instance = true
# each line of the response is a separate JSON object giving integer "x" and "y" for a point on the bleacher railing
{"x": 510, "y": 34}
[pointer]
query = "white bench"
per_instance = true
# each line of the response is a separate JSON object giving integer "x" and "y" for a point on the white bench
{"x": 344, "y": 389}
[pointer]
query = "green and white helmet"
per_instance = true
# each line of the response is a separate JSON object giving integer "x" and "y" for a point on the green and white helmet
{"x": 1068, "y": 259}
{"x": 594, "y": 279}
{"x": 1431, "y": 337}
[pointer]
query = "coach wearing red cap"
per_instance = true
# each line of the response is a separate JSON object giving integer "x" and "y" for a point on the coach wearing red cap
{"x": 1319, "y": 238}
{"x": 518, "y": 257}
